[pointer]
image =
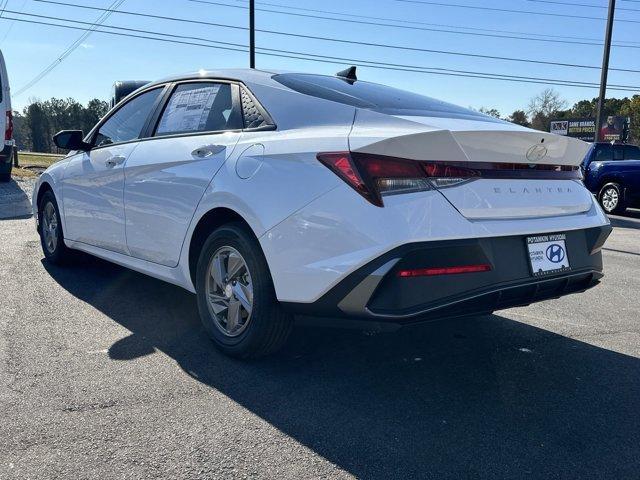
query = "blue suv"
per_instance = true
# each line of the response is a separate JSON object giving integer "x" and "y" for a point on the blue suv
{"x": 612, "y": 172}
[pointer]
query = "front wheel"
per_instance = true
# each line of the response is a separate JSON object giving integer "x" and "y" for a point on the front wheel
{"x": 610, "y": 198}
{"x": 51, "y": 237}
{"x": 236, "y": 297}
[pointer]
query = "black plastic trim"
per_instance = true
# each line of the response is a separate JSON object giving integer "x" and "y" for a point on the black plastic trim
{"x": 475, "y": 296}
{"x": 270, "y": 124}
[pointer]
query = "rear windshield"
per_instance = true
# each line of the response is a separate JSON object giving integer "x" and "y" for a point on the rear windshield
{"x": 376, "y": 97}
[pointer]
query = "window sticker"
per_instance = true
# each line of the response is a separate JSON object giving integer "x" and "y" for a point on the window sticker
{"x": 188, "y": 110}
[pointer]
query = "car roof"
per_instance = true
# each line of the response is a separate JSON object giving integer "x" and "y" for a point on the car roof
{"x": 244, "y": 75}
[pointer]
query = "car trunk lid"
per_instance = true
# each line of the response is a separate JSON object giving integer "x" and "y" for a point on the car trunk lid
{"x": 523, "y": 173}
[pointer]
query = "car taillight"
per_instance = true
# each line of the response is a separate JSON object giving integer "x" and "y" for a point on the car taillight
{"x": 341, "y": 164}
{"x": 446, "y": 175}
{"x": 373, "y": 176}
{"x": 8, "y": 129}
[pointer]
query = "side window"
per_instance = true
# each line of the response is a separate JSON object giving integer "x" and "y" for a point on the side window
{"x": 602, "y": 153}
{"x": 617, "y": 152}
{"x": 631, "y": 152}
{"x": 129, "y": 120}
{"x": 199, "y": 107}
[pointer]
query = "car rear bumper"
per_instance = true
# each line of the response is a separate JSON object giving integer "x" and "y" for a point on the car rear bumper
{"x": 377, "y": 292}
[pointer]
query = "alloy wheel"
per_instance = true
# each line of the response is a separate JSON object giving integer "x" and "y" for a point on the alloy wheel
{"x": 50, "y": 227}
{"x": 229, "y": 291}
{"x": 610, "y": 199}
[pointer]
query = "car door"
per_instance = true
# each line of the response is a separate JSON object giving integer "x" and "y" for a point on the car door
{"x": 166, "y": 176}
{"x": 600, "y": 155}
{"x": 93, "y": 182}
{"x": 632, "y": 171}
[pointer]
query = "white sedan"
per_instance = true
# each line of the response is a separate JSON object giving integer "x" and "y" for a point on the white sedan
{"x": 275, "y": 194}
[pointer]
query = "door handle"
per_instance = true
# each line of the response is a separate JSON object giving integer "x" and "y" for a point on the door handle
{"x": 115, "y": 160}
{"x": 207, "y": 150}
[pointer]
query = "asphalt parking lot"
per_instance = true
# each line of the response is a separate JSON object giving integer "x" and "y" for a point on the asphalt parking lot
{"x": 105, "y": 373}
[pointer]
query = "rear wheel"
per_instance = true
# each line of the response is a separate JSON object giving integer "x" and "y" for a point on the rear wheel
{"x": 236, "y": 298}
{"x": 51, "y": 237}
{"x": 610, "y": 198}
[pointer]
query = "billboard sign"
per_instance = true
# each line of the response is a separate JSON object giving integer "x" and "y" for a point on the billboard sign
{"x": 580, "y": 128}
{"x": 614, "y": 128}
{"x": 559, "y": 127}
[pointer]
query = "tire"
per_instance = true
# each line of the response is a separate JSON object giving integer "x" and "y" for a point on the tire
{"x": 610, "y": 199}
{"x": 53, "y": 247}
{"x": 249, "y": 333}
{"x": 5, "y": 177}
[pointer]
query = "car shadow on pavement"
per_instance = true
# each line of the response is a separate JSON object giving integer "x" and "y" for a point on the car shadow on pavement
{"x": 14, "y": 201}
{"x": 483, "y": 397}
{"x": 631, "y": 219}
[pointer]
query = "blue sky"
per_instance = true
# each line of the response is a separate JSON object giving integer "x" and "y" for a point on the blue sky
{"x": 102, "y": 59}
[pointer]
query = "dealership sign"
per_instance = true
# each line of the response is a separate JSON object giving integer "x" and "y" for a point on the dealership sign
{"x": 613, "y": 128}
{"x": 581, "y": 128}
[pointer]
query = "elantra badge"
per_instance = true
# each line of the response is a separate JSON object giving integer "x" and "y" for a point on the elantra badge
{"x": 536, "y": 153}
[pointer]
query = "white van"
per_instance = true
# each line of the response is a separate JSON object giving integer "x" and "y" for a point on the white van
{"x": 6, "y": 124}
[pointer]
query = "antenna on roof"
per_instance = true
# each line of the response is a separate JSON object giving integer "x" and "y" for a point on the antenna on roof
{"x": 348, "y": 74}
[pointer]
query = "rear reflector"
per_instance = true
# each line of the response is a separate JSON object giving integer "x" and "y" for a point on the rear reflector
{"x": 426, "y": 272}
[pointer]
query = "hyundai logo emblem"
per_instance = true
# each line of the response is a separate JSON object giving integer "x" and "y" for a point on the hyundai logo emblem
{"x": 555, "y": 253}
{"x": 536, "y": 153}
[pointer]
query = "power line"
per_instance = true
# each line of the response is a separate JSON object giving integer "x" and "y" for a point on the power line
{"x": 6, "y": 34}
{"x": 102, "y": 18}
{"x": 48, "y": 17}
{"x": 448, "y": 70}
{"x": 588, "y": 5}
{"x": 447, "y": 52}
{"x": 507, "y": 10}
{"x": 568, "y": 40}
{"x": 409, "y": 27}
{"x": 327, "y": 12}
{"x": 414, "y": 22}
{"x": 364, "y": 63}
{"x": 145, "y": 15}
{"x": 4, "y": 5}
{"x": 356, "y": 42}
{"x": 117, "y": 27}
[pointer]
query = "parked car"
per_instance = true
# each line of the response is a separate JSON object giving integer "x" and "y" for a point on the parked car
{"x": 269, "y": 195}
{"x": 6, "y": 124}
{"x": 612, "y": 173}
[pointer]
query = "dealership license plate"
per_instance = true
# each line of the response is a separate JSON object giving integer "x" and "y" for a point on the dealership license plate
{"x": 548, "y": 254}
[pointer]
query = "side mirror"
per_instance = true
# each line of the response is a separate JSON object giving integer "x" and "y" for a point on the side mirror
{"x": 71, "y": 140}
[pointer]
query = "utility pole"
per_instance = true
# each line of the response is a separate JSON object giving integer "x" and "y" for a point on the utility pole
{"x": 605, "y": 66}
{"x": 252, "y": 34}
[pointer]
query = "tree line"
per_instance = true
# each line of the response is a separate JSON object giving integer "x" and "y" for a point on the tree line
{"x": 35, "y": 126}
{"x": 548, "y": 105}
